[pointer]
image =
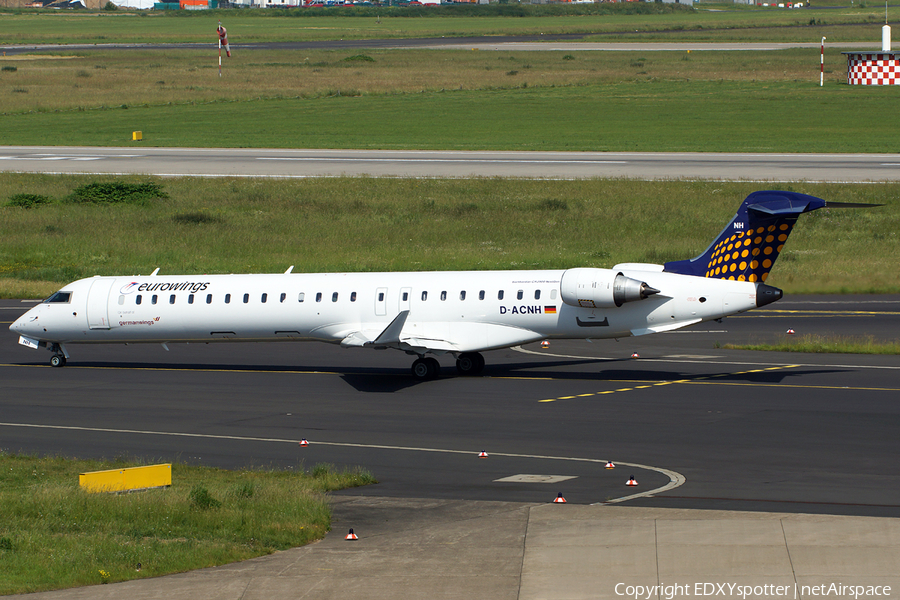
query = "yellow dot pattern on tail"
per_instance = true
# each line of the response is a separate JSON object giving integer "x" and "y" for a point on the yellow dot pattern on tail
{"x": 748, "y": 256}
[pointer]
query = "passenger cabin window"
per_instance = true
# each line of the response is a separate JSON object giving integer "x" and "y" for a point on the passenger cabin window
{"x": 227, "y": 298}
{"x": 318, "y": 296}
{"x": 263, "y": 298}
{"x": 137, "y": 299}
{"x": 443, "y": 296}
{"x": 59, "y": 298}
{"x": 381, "y": 296}
{"x": 190, "y": 298}
{"x": 246, "y": 298}
{"x": 405, "y": 296}
{"x": 172, "y": 299}
{"x": 209, "y": 298}
{"x": 500, "y": 295}
{"x": 424, "y": 296}
{"x": 519, "y": 294}
{"x": 283, "y": 297}
{"x": 301, "y": 297}
{"x": 462, "y": 295}
{"x": 334, "y": 297}
{"x": 353, "y": 297}
{"x": 481, "y": 295}
{"x": 154, "y": 299}
{"x": 537, "y": 294}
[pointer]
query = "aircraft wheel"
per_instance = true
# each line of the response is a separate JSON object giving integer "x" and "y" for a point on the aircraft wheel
{"x": 469, "y": 363}
{"x": 435, "y": 367}
{"x": 57, "y": 360}
{"x": 424, "y": 368}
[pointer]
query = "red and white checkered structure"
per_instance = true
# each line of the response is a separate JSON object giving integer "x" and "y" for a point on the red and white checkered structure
{"x": 873, "y": 68}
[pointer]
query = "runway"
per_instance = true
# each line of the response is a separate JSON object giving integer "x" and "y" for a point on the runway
{"x": 745, "y": 430}
{"x": 285, "y": 163}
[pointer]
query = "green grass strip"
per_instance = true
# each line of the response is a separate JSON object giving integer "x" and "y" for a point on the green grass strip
{"x": 55, "y": 535}
{"x": 645, "y": 116}
{"x": 823, "y": 344}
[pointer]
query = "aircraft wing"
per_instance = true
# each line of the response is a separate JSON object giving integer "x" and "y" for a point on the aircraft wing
{"x": 440, "y": 337}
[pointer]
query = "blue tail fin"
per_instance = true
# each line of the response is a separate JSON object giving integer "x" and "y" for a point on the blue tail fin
{"x": 747, "y": 248}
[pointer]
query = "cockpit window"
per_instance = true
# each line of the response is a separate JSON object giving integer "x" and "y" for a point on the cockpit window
{"x": 59, "y": 298}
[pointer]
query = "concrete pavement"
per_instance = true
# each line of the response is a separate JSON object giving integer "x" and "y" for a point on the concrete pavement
{"x": 419, "y": 548}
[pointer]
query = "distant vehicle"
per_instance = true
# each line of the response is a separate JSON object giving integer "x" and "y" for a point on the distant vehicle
{"x": 460, "y": 313}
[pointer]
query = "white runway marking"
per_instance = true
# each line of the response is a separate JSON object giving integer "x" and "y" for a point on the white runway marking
{"x": 675, "y": 479}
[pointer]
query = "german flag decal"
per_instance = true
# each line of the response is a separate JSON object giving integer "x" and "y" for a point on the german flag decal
{"x": 549, "y": 310}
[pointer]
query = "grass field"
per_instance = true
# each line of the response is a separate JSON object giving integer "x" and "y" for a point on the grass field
{"x": 435, "y": 99}
{"x": 361, "y": 224}
{"x": 54, "y": 535}
{"x": 652, "y": 101}
{"x": 651, "y": 21}
{"x": 820, "y": 344}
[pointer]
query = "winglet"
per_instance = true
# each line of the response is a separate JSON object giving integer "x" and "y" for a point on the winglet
{"x": 391, "y": 333}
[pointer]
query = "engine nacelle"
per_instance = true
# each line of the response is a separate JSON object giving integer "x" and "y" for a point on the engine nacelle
{"x": 601, "y": 288}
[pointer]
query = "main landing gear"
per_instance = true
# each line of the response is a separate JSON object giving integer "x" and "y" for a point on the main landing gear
{"x": 467, "y": 363}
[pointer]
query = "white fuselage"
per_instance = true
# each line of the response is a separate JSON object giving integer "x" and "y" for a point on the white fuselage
{"x": 455, "y": 312}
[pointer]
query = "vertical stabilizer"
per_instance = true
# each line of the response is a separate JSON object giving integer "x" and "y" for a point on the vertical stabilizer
{"x": 747, "y": 248}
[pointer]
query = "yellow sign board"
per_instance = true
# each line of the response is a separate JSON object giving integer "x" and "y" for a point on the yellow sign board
{"x": 128, "y": 479}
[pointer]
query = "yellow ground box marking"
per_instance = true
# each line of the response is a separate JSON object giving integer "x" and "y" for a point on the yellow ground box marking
{"x": 128, "y": 479}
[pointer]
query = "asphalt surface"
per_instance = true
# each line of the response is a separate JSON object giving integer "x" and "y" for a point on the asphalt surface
{"x": 244, "y": 162}
{"x": 746, "y": 430}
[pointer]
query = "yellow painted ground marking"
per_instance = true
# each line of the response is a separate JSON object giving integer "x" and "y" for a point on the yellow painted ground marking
{"x": 700, "y": 379}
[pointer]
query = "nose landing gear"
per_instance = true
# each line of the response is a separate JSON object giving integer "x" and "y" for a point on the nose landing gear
{"x": 59, "y": 355}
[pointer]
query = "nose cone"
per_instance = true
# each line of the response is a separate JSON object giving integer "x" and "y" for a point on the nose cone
{"x": 26, "y": 324}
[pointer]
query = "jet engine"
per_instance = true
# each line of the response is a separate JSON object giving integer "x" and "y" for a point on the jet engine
{"x": 601, "y": 288}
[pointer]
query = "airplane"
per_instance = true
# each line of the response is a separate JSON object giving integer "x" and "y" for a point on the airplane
{"x": 428, "y": 314}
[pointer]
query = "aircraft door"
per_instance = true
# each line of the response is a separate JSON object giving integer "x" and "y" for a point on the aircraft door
{"x": 98, "y": 302}
{"x": 380, "y": 302}
{"x": 405, "y": 295}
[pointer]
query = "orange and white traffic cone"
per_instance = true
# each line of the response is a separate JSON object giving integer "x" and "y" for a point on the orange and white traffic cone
{"x": 483, "y": 454}
{"x": 610, "y": 465}
{"x": 545, "y": 344}
{"x": 631, "y": 482}
{"x": 559, "y": 499}
{"x": 351, "y": 536}
{"x": 303, "y": 442}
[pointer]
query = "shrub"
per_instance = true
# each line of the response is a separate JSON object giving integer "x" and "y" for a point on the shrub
{"x": 359, "y": 58}
{"x": 117, "y": 193}
{"x": 27, "y": 200}
{"x": 202, "y": 499}
{"x": 9, "y": 68}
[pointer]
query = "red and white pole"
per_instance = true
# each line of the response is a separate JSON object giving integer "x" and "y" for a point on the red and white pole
{"x": 822, "y": 64}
